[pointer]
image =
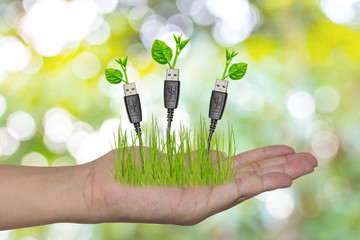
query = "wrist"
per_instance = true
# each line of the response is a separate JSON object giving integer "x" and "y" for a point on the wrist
{"x": 96, "y": 191}
{"x": 42, "y": 195}
{"x": 71, "y": 194}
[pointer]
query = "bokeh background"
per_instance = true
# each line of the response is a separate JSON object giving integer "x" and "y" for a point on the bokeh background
{"x": 301, "y": 89}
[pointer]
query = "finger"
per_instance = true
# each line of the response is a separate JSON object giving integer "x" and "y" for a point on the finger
{"x": 261, "y": 154}
{"x": 253, "y": 167}
{"x": 253, "y": 185}
{"x": 309, "y": 157}
{"x": 301, "y": 164}
{"x": 294, "y": 169}
{"x": 277, "y": 161}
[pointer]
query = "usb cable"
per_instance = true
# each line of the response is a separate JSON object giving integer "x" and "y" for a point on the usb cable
{"x": 217, "y": 105}
{"x": 133, "y": 109}
{"x": 133, "y": 106}
{"x": 171, "y": 94}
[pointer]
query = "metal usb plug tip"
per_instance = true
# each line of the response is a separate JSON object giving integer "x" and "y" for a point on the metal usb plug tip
{"x": 129, "y": 89}
{"x": 172, "y": 74}
{"x": 221, "y": 85}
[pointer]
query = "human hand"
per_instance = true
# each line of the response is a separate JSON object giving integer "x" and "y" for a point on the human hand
{"x": 271, "y": 167}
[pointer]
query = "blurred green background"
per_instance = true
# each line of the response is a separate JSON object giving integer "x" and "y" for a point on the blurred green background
{"x": 301, "y": 89}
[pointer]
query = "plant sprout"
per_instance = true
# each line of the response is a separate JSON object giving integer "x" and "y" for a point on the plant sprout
{"x": 163, "y": 54}
{"x": 237, "y": 70}
{"x": 115, "y": 76}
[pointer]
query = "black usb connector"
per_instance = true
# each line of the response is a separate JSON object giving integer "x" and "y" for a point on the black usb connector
{"x": 133, "y": 109}
{"x": 133, "y": 106}
{"x": 217, "y": 105}
{"x": 171, "y": 94}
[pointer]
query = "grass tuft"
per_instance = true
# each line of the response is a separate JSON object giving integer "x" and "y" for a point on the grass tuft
{"x": 181, "y": 161}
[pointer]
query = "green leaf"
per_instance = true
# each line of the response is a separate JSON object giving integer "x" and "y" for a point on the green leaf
{"x": 177, "y": 39}
{"x": 227, "y": 55}
{"x": 122, "y": 62}
{"x": 237, "y": 70}
{"x": 183, "y": 44}
{"x": 119, "y": 61}
{"x": 113, "y": 76}
{"x": 125, "y": 61}
{"x": 161, "y": 52}
{"x": 233, "y": 54}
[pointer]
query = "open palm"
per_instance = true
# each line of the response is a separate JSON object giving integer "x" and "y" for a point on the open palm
{"x": 271, "y": 167}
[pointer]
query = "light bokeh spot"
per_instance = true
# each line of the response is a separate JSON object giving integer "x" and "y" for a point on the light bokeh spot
{"x": 340, "y": 11}
{"x": 250, "y": 98}
{"x": 106, "y": 6}
{"x": 300, "y": 104}
{"x": 3, "y": 105}
{"x": 14, "y": 55}
{"x": 4, "y": 235}
{"x": 235, "y": 20}
{"x": 34, "y": 159}
{"x": 9, "y": 142}
{"x": 22, "y": 124}
{"x": 100, "y": 35}
{"x": 62, "y": 161}
{"x": 327, "y": 99}
{"x": 86, "y": 65}
{"x": 53, "y": 24}
{"x": 325, "y": 144}
{"x": 35, "y": 64}
{"x": 201, "y": 14}
{"x": 279, "y": 204}
{"x": 58, "y": 125}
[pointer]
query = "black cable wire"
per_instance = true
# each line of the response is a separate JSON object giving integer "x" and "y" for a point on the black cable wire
{"x": 137, "y": 129}
{"x": 138, "y": 133}
{"x": 211, "y": 132}
{"x": 170, "y": 116}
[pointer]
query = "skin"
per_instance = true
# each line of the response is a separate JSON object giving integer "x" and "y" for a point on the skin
{"x": 33, "y": 196}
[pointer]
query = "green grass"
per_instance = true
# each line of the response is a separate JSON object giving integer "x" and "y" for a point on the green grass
{"x": 173, "y": 162}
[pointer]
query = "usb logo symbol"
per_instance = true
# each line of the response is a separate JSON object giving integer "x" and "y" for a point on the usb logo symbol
{"x": 171, "y": 91}
{"x": 218, "y": 99}
{"x": 133, "y": 107}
